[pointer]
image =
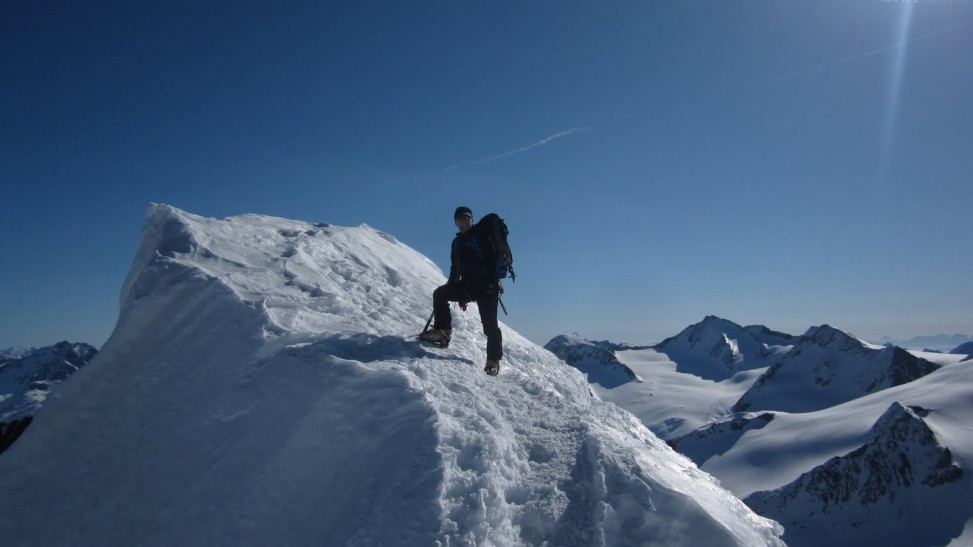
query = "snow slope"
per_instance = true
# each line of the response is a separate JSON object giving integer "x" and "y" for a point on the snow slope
{"x": 669, "y": 402}
{"x": 263, "y": 387}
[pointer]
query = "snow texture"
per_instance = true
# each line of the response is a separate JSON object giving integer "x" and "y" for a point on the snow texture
{"x": 264, "y": 386}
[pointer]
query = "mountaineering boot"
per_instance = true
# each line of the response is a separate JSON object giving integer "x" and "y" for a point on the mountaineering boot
{"x": 492, "y": 367}
{"x": 440, "y": 337}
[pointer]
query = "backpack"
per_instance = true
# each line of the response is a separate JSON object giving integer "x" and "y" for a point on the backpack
{"x": 490, "y": 239}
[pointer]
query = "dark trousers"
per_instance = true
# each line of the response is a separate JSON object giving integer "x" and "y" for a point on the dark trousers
{"x": 486, "y": 301}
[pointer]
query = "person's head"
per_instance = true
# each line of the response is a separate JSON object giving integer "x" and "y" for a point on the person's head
{"x": 463, "y": 217}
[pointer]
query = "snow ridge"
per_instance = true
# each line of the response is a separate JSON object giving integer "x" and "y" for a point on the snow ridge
{"x": 264, "y": 386}
{"x": 718, "y": 437}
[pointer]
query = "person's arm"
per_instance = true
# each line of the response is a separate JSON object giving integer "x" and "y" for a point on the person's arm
{"x": 454, "y": 271}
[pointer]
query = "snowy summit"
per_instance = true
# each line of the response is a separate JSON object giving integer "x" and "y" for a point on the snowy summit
{"x": 263, "y": 386}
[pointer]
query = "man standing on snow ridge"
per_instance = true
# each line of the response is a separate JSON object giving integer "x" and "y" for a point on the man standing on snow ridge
{"x": 472, "y": 278}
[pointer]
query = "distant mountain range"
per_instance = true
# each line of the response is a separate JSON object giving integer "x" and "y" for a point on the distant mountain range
{"x": 27, "y": 377}
{"x": 827, "y": 367}
{"x": 841, "y": 441}
{"x": 938, "y": 342}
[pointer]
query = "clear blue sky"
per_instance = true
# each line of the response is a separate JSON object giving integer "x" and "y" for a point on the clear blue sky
{"x": 782, "y": 162}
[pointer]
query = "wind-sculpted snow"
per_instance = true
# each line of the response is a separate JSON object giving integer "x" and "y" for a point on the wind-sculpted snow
{"x": 264, "y": 387}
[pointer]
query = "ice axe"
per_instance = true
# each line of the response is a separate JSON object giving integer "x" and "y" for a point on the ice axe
{"x": 428, "y": 321}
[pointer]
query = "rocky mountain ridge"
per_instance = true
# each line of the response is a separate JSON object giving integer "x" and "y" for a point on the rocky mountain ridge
{"x": 827, "y": 367}
{"x": 902, "y": 465}
{"x": 27, "y": 377}
{"x": 595, "y": 359}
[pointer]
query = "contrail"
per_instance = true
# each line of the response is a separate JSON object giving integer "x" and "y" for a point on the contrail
{"x": 867, "y": 54}
{"x": 541, "y": 142}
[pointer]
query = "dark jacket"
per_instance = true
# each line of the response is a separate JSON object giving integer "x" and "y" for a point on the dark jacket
{"x": 471, "y": 260}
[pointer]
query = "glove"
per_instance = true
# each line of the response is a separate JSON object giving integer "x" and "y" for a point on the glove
{"x": 462, "y": 305}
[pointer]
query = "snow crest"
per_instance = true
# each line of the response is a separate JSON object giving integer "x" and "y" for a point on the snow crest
{"x": 264, "y": 386}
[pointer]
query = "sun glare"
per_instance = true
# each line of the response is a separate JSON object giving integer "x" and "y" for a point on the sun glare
{"x": 895, "y": 82}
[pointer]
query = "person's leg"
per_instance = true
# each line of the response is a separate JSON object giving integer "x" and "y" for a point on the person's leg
{"x": 441, "y": 297}
{"x": 491, "y": 327}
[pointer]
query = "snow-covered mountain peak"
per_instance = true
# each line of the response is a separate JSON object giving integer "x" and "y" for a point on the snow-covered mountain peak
{"x": 828, "y": 337}
{"x": 964, "y": 349}
{"x": 712, "y": 322}
{"x": 306, "y": 278}
{"x": 26, "y": 381}
{"x": 573, "y": 339}
{"x": 595, "y": 359}
{"x": 872, "y": 487}
{"x": 904, "y": 421}
{"x": 829, "y": 367}
{"x": 711, "y": 326}
{"x": 264, "y": 386}
{"x": 717, "y": 348}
